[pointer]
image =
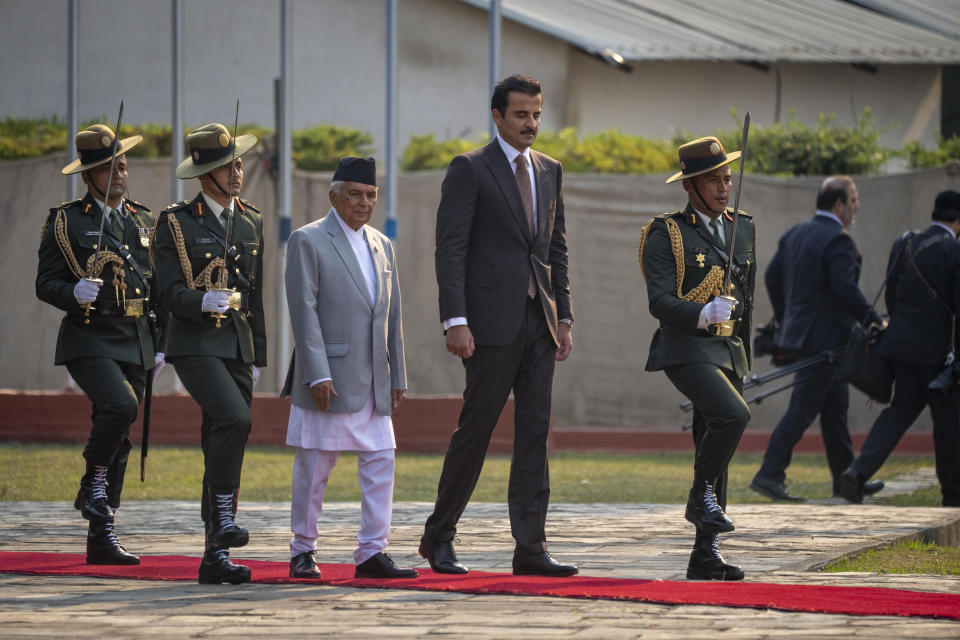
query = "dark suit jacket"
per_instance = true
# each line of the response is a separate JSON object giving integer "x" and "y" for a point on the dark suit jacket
{"x": 125, "y": 339}
{"x": 920, "y": 327}
{"x": 484, "y": 251}
{"x": 813, "y": 285}
{"x": 192, "y": 332}
{"x": 678, "y": 341}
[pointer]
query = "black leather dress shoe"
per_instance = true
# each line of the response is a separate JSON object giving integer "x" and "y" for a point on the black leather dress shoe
{"x": 541, "y": 564}
{"x": 851, "y": 486}
{"x": 704, "y": 512}
{"x": 304, "y": 565}
{"x": 381, "y": 565}
{"x": 442, "y": 557}
{"x": 103, "y": 546}
{"x": 216, "y": 568}
{"x": 706, "y": 563}
{"x": 772, "y": 489}
{"x": 870, "y": 488}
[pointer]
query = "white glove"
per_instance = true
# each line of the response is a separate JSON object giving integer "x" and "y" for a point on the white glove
{"x": 715, "y": 311}
{"x": 86, "y": 291}
{"x": 215, "y": 301}
{"x": 256, "y": 374}
{"x": 159, "y": 362}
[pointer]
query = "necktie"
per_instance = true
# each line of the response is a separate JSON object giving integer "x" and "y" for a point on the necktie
{"x": 717, "y": 235}
{"x": 115, "y": 222}
{"x": 226, "y": 217}
{"x": 526, "y": 196}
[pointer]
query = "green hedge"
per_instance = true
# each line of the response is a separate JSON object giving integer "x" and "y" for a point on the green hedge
{"x": 790, "y": 148}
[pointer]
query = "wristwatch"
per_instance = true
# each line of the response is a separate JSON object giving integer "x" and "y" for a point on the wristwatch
{"x": 566, "y": 321}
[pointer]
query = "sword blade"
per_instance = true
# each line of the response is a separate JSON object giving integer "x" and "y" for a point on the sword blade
{"x": 106, "y": 195}
{"x": 736, "y": 205}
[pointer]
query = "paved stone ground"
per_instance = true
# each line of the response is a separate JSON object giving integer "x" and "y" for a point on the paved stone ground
{"x": 773, "y": 543}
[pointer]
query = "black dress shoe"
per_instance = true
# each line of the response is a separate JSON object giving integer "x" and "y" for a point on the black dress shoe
{"x": 442, "y": 557}
{"x": 103, "y": 547}
{"x": 772, "y": 489}
{"x": 304, "y": 565}
{"x": 541, "y": 564}
{"x": 381, "y": 565}
{"x": 706, "y": 563}
{"x": 216, "y": 568}
{"x": 870, "y": 488}
{"x": 704, "y": 512}
{"x": 851, "y": 486}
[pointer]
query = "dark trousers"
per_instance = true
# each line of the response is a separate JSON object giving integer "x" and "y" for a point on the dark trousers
{"x": 115, "y": 389}
{"x": 719, "y": 417}
{"x": 224, "y": 390}
{"x": 910, "y": 396}
{"x": 816, "y": 391}
{"x": 526, "y": 367}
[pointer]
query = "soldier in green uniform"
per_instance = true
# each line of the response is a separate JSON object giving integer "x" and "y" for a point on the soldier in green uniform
{"x": 102, "y": 282}
{"x": 208, "y": 254}
{"x": 703, "y": 342}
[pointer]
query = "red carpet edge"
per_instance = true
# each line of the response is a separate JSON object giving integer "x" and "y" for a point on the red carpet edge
{"x": 873, "y": 601}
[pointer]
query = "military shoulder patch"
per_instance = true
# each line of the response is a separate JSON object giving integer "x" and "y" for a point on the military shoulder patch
{"x": 137, "y": 205}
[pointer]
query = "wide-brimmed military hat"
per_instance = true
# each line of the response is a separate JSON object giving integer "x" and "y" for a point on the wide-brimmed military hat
{"x": 212, "y": 146}
{"x": 95, "y": 145}
{"x": 700, "y": 156}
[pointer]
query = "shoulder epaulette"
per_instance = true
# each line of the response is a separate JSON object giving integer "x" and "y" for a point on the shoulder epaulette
{"x": 176, "y": 206}
{"x": 729, "y": 212}
{"x": 64, "y": 205}
{"x": 249, "y": 205}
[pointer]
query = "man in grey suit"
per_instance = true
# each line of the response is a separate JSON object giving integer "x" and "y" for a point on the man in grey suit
{"x": 501, "y": 263}
{"x": 347, "y": 374}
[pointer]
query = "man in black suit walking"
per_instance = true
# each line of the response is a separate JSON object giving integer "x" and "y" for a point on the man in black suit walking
{"x": 501, "y": 262}
{"x": 923, "y": 299}
{"x": 813, "y": 285}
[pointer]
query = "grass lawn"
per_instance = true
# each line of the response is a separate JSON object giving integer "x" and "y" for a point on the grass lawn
{"x": 904, "y": 557}
{"x": 52, "y": 472}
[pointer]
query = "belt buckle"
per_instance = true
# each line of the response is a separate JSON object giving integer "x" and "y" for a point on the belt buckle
{"x": 133, "y": 308}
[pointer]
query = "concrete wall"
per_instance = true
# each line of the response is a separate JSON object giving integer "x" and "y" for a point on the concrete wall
{"x": 231, "y": 50}
{"x": 602, "y": 383}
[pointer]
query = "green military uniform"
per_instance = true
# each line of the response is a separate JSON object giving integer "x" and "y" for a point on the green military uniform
{"x": 684, "y": 265}
{"x": 108, "y": 349}
{"x": 214, "y": 357}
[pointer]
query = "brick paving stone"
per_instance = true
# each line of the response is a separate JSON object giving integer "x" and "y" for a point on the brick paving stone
{"x": 773, "y": 542}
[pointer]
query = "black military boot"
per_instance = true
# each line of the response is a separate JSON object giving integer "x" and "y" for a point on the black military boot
{"x": 103, "y": 546}
{"x": 706, "y": 563}
{"x": 222, "y": 532}
{"x": 92, "y": 498}
{"x": 216, "y": 568}
{"x": 703, "y": 510}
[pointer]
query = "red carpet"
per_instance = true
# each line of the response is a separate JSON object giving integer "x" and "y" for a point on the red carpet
{"x": 818, "y": 599}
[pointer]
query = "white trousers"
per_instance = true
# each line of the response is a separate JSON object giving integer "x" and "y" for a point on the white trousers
{"x": 311, "y": 470}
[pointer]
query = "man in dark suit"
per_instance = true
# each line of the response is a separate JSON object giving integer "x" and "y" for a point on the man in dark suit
{"x": 923, "y": 299}
{"x": 813, "y": 285}
{"x": 105, "y": 340}
{"x": 703, "y": 341}
{"x": 209, "y": 251}
{"x": 501, "y": 262}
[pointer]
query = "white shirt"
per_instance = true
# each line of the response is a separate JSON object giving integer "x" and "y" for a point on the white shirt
{"x": 511, "y": 153}
{"x": 827, "y": 214}
{"x": 110, "y": 213}
{"x": 364, "y": 430}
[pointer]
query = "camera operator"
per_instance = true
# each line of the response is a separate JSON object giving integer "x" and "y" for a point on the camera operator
{"x": 923, "y": 299}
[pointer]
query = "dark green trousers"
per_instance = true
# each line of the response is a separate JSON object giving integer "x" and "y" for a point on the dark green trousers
{"x": 224, "y": 389}
{"x": 115, "y": 389}
{"x": 719, "y": 417}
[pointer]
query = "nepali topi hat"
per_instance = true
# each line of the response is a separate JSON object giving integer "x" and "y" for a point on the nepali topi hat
{"x": 353, "y": 169}
{"x": 700, "y": 156}
{"x": 96, "y": 145}
{"x": 211, "y": 146}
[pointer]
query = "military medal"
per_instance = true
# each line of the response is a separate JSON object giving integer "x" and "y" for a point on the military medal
{"x": 700, "y": 258}
{"x": 144, "y": 233}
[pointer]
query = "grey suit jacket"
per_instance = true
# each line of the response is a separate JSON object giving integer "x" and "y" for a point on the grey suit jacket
{"x": 338, "y": 334}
